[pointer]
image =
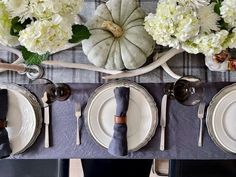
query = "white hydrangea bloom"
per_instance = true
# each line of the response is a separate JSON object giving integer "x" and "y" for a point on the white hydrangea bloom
{"x": 228, "y": 11}
{"x": 191, "y": 47}
{"x": 208, "y": 44}
{"x": 161, "y": 33}
{"x": 45, "y": 36}
{"x": 172, "y": 23}
{"x": 232, "y": 39}
{"x": 18, "y": 8}
{"x": 45, "y": 9}
{"x": 5, "y": 24}
{"x": 186, "y": 22}
{"x": 195, "y": 3}
{"x": 213, "y": 43}
{"x": 208, "y": 19}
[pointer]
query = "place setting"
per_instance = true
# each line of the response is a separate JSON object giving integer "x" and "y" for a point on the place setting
{"x": 23, "y": 118}
{"x": 220, "y": 119}
{"x": 218, "y": 113}
{"x": 22, "y": 115}
{"x": 135, "y": 115}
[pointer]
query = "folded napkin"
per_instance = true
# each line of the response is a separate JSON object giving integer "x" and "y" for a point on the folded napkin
{"x": 118, "y": 145}
{"x": 5, "y": 149}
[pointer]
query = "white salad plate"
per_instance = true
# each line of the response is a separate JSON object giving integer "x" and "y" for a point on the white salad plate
{"x": 24, "y": 117}
{"x": 142, "y": 115}
{"x": 221, "y": 118}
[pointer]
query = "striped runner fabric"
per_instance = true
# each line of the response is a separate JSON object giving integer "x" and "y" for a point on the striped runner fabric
{"x": 182, "y": 64}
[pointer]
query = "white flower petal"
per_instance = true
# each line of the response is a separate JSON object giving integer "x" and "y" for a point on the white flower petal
{"x": 5, "y": 24}
{"x": 195, "y": 3}
{"x": 18, "y": 8}
{"x": 228, "y": 11}
{"x": 208, "y": 19}
{"x": 45, "y": 9}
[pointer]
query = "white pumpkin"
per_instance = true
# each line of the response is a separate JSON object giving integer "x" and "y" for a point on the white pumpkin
{"x": 118, "y": 39}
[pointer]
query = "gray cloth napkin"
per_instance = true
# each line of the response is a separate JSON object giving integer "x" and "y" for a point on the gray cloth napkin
{"x": 5, "y": 149}
{"x": 118, "y": 145}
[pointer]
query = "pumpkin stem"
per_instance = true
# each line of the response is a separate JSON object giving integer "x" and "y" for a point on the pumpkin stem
{"x": 115, "y": 29}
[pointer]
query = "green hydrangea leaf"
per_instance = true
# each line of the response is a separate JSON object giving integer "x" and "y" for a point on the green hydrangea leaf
{"x": 80, "y": 32}
{"x": 217, "y": 7}
{"x": 33, "y": 58}
{"x": 224, "y": 25}
{"x": 17, "y": 26}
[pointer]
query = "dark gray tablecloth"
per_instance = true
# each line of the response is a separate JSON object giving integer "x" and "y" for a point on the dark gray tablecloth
{"x": 182, "y": 130}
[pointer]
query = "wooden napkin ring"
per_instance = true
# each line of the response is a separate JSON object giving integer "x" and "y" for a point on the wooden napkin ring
{"x": 120, "y": 120}
{"x": 3, "y": 123}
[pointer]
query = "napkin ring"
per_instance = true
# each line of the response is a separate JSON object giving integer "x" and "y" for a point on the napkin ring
{"x": 3, "y": 123}
{"x": 120, "y": 120}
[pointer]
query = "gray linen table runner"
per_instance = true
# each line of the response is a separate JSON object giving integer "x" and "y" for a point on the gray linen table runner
{"x": 182, "y": 130}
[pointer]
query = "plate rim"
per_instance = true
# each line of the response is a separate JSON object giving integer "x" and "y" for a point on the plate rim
{"x": 126, "y": 83}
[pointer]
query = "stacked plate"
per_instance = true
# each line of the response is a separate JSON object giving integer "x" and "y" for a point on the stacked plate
{"x": 24, "y": 117}
{"x": 142, "y": 116}
{"x": 221, "y": 118}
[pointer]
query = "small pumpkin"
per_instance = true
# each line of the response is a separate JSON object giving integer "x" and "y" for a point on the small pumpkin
{"x": 118, "y": 39}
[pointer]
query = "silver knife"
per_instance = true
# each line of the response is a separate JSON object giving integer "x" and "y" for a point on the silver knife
{"x": 46, "y": 120}
{"x": 163, "y": 122}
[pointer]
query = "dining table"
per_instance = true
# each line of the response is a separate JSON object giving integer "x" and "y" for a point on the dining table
{"x": 182, "y": 121}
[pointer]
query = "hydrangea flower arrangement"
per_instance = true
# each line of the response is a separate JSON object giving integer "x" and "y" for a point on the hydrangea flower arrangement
{"x": 41, "y": 27}
{"x": 197, "y": 26}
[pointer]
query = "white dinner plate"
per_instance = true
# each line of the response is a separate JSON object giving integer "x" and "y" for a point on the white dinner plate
{"x": 221, "y": 119}
{"x": 142, "y": 115}
{"x": 24, "y": 117}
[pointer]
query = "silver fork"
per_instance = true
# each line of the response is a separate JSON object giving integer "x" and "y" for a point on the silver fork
{"x": 201, "y": 110}
{"x": 77, "y": 115}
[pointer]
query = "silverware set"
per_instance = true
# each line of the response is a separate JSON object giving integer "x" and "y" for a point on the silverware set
{"x": 47, "y": 121}
{"x": 188, "y": 91}
{"x": 200, "y": 115}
